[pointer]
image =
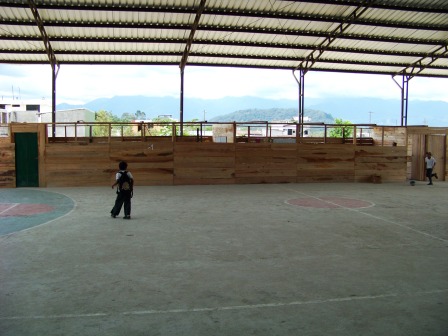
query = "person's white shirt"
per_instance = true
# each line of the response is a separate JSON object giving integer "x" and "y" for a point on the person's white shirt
{"x": 430, "y": 162}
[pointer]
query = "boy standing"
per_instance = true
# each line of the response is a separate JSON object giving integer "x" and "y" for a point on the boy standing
{"x": 430, "y": 163}
{"x": 125, "y": 182}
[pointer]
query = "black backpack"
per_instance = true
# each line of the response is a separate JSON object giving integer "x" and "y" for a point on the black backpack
{"x": 124, "y": 182}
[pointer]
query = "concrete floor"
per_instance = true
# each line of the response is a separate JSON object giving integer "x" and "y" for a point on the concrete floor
{"x": 231, "y": 260}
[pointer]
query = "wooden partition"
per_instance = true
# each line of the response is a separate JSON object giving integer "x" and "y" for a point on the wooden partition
{"x": 7, "y": 165}
{"x": 184, "y": 163}
{"x": 161, "y": 161}
{"x": 427, "y": 139}
{"x": 204, "y": 163}
{"x": 388, "y": 163}
{"x": 265, "y": 163}
{"x": 73, "y": 165}
{"x": 325, "y": 163}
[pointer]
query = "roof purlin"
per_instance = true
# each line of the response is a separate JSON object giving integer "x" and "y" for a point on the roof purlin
{"x": 234, "y": 56}
{"x": 307, "y": 33}
{"x": 384, "y": 5}
{"x": 239, "y": 13}
{"x": 384, "y": 52}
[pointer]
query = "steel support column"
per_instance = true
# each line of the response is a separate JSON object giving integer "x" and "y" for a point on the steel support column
{"x": 184, "y": 59}
{"x": 404, "y": 87}
{"x": 301, "y": 84}
{"x": 181, "y": 112}
{"x": 53, "y": 62}
{"x": 54, "y": 74}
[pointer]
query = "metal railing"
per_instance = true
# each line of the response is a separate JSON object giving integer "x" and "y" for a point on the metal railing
{"x": 219, "y": 132}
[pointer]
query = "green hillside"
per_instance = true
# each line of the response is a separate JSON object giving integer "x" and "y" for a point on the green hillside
{"x": 273, "y": 115}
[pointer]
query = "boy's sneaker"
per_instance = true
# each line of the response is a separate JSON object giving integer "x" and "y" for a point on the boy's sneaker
{"x": 127, "y": 217}
{"x": 113, "y": 216}
{"x": 435, "y": 175}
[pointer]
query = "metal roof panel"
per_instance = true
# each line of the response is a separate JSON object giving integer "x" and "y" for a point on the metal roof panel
{"x": 258, "y": 33}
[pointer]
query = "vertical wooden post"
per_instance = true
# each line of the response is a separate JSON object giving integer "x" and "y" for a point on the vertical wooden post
{"x": 354, "y": 135}
{"x": 234, "y": 132}
{"x": 297, "y": 133}
{"x": 267, "y": 130}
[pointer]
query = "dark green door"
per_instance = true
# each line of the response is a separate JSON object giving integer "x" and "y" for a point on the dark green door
{"x": 27, "y": 168}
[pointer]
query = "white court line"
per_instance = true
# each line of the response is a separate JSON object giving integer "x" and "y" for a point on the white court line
{"x": 8, "y": 235}
{"x": 228, "y": 308}
{"x": 12, "y": 206}
{"x": 373, "y": 216}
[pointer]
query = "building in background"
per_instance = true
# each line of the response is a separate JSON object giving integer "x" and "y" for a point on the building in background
{"x": 39, "y": 111}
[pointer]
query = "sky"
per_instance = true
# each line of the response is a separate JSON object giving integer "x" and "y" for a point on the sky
{"x": 79, "y": 84}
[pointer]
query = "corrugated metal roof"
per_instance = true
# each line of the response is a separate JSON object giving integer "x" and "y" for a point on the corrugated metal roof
{"x": 387, "y": 37}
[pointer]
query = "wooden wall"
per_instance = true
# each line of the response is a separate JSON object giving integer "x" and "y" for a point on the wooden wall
{"x": 177, "y": 163}
{"x": 421, "y": 140}
{"x": 190, "y": 163}
{"x": 72, "y": 164}
{"x": 7, "y": 165}
{"x": 325, "y": 163}
{"x": 388, "y": 162}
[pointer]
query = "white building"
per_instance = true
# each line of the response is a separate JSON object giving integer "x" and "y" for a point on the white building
{"x": 40, "y": 111}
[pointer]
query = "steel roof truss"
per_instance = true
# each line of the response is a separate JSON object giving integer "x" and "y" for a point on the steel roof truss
{"x": 192, "y": 32}
{"x": 425, "y": 62}
{"x": 347, "y": 22}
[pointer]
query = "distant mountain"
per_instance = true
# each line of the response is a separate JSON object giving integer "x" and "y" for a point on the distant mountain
{"x": 194, "y": 108}
{"x": 384, "y": 111}
{"x": 356, "y": 110}
{"x": 272, "y": 115}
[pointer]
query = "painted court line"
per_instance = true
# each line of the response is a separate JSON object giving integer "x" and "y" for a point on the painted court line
{"x": 13, "y": 205}
{"x": 228, "y": 308}
{"x": 373, "y": 216}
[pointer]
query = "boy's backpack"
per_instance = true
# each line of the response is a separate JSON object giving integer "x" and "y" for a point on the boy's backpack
{"x": 124, "y": 182}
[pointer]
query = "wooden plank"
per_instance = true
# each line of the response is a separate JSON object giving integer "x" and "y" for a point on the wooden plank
{"x": 265, "y": 179}
{"x": 206, "y": 173}
{"x": 225, "y": 160}
{"x": 202, "y": 181}
{"x": 204, "y": 149}
{"x": 251, "y": 172}
{"x": 381, "y": 151}
{"x": 7, "y": 165}
{"x": 325, "y": 172}
{"x": 382, "y": 159}
{"x": 325, "y": 179}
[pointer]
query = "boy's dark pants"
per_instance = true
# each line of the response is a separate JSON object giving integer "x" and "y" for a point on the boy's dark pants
{"x": 429, "y": 174}
{"x": 122, "y": 197}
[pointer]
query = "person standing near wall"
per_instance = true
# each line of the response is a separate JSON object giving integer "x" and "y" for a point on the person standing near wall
{"x": 430, "y": 163}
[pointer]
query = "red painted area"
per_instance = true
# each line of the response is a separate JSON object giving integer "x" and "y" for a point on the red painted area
{"x": 330, "y": 203}
{"x": 23, "y": 209}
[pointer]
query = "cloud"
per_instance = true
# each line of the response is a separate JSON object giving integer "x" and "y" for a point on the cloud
{"x": 25, "y": 81}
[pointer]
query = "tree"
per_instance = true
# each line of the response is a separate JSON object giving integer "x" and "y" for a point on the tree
{"x": 139, "y": 115}
{"x": 162, "y": 130}
{"x": 342, "y": 131}
{"x": 128, "y": 117}
{"x": 103, "y": 116}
